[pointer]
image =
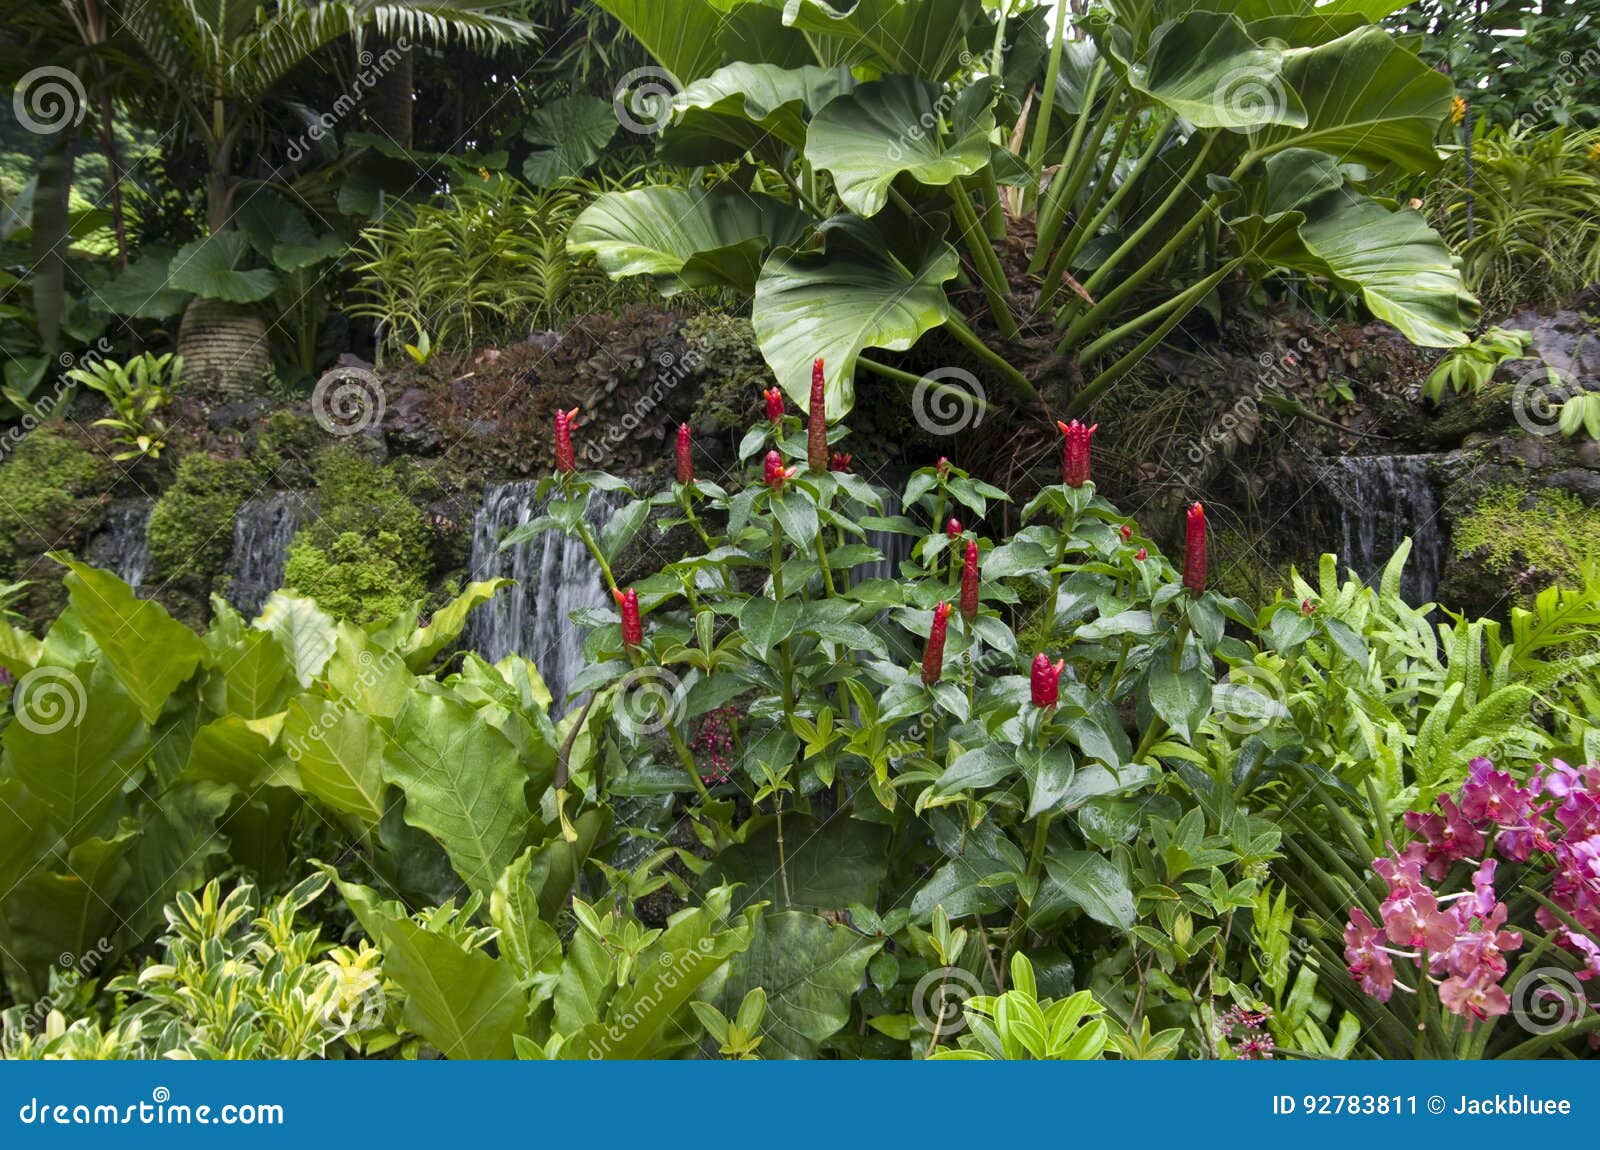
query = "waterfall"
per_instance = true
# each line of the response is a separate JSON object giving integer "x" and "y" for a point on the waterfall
{"x": 555, "y": 576}
{"x": 896, "y": 548}
{"x": 120, "y": 545}
{"x": 262, "y": 532}
{"x": 1379, "y": 501}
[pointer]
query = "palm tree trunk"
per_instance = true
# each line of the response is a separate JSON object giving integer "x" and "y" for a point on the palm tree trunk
{"x": 389, "y": 105}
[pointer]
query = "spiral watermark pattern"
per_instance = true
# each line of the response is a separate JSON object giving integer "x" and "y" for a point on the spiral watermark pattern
{"x": 1249, "y": 700}
{"x": 1547, "y": 999}
{"x": 1537, "y": 399}
{"x": 347, "y": 401}
{"x": 940, "y": 407}
{"x": 938, "y": 997}
{"x": 643, "y": 100}
{"x": 355, "y": 1005}
{"x": 48, "y": 99}
{"x": 648, "y": 700}
{"x": 49, "y": 699}
{"x": 1246, "y": 98}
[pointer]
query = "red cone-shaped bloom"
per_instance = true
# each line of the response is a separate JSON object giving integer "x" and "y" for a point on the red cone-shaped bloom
{"x": 775, "y": 472}
{"x": 685, "y": 456}
{"x": 817, "y": 421}
{"x": 840, "y": 461}
{"x": 1046, "y": 680}
{"x": 632, "y": 627}
{"x": 1194, "y": 554}
{"x": 933, "y": 658}
{"x": 566, "y": 459}
{"x": 774, "y": 398}
{"x": 969, "y": 583}
{"x": 1075, "y": 452}
{"x": 953, "y": 529}
{"x": 1125, "y": 530}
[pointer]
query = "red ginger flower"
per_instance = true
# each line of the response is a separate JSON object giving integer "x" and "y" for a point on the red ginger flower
{"x": 953, "y": 529}
{"x": 969, "y": 583}
{"x": 1075, "y": 452}
{"x": 685, "y": 456}
{"x": 776, "y": 473}
{"x": 774, "y": 398}
{"x": 1046, "y": 680}
{"x": 1194, "y": 555}
{"x": 1124, "y": 529}
{"x": 632, "y": 627}
{"x": 817, "y": 421}
{"x": 933, "y": 657}
{"x": 566, "y": 460}
{"x": 1141, "y": 555}
{"x": 840, "y": 461}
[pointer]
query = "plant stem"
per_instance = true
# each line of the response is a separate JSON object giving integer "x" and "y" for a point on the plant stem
{"x": 1019, "y": 382}
{"x": 1052, "y": 212}
{"x": 1058, "y": 265}
{"x": 991, "y": 276}
{"x": 1047, "y": 101}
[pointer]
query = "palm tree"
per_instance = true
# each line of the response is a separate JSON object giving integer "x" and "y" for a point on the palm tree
{"x": 218, "y": 61}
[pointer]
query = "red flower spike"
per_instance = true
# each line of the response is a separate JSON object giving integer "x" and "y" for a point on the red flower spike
{"x": 1194, "y": 555}
{"x": 1045, "y": 680}
{"x": 817, "y": 421}
{"x": 944, "y": 466}
{"x": 566, "y": 459}
{"x": 685, "y": 456}
{"x": 774, "y": 398}
{"x": 1075, "y": 452}
{"x": 1307, "y": 607}
{"x": 1126, "y": 531}
{"x": 776, "y": 473}
{"x": 953, "y": 529}
{"x": 632, "y": 627}
{"x": 840, "y": 461}
{"x": 933, "y": 658}
{"x": 1141, "y": 555}
{"x": 969, "y": 583}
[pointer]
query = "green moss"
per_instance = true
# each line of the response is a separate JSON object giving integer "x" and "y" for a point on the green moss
{"x": 48, "y": 488}
{"x": 1515, "y": 531}
{"x": 368, "y": 554}
{"x": 191, "y": 526}
{"x": 356, "y": 578}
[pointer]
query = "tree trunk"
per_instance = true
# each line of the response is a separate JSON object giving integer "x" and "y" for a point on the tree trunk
{"x": 224, "y": 348}
{"x": 389, "y": 104}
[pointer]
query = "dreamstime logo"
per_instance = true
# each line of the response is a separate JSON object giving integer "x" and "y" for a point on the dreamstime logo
{"x": 674, "y": 370}
{"x": 372, "y": 70}
{"x": 938, "y": 997}
{"x": 347, "y": 401}
{"x": 356, "y": 1003}
{"x": 1547, "y": 999}
{"x": 1249, "y": 700}
{"x": 1537, "y": 398}
{"x": 940, "y": 408}
{"x": 48, "y": 99}
{"x": 1245, "y": 98}
{"x": 648, "y": 699}
{"x": 643, "y": 100}
{"x": 48, "y": 699}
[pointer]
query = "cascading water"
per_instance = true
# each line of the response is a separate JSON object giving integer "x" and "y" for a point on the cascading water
{"x": 120, "y": 545}
{"x": 896, "y": 549}
{"x": 555, "y": 575}
{"x": 262, "y": 532}
{"x": 1380, "y": 500}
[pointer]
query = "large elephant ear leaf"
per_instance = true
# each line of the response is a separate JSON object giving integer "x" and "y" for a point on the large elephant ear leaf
{"x": 915, "y": 37}
{"x": 748, "y": 108}
{"x": 890, "y": 128}
{"x": 212, "y": 268}
{"x": 571, "y": 133}
{"x": 1207, "y": 69}
{"x": 838, "y": 302}
{"x": 685, "y": 239}
{"x": 1367, "y": 100}
{"x": 680, "y": 34}
{"x": 1399, "y": 266}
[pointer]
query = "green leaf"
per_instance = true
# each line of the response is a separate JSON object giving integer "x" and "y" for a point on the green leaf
{"x": 887, "y": 129}
{"x": 810, "y": 970}
{"x": 463, "y": 785}
{"x": 1093, "y": 882}
{"x": 465, "y": 1003}
{"x": 797, "y": 514}
{"x": 1049, "y": 774}
{"x": 685, "y": 239}
{"x": 915, "y": 37}
{"x": 573, "y": 132}
{"x": 239, "y": 752}
{"x": 1206, "y": 67}
{"x": 250, "y": 678}
{"x": 978, "y": 768}
{"x": 765, "y": 623}
{"x": 622, "y": 527}
{"x": 1182, "y": 698}
{"x": 526, "y": 940}
{"x": 149, "y": 652}
{"x": 304, "y": 631}
{"x": 749, "y": 108}
{"x": 839, "y": 303}
{"x": 143, "y": 289}
{"x": 830, "y": 864}
{"x": 338, "y": 752}
{"x": 210, "y": 268}
{"x": 680, "y": 34}
{"x": 447, "y": 623}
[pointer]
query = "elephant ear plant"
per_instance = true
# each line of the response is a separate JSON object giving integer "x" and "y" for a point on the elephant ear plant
{"x": 892, "y": 756}
{"x": 896, "y": 148}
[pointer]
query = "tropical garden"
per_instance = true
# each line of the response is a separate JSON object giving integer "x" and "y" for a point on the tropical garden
{"x": 800, "y": 529}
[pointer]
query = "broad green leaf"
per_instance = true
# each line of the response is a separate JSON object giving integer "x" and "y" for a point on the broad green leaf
{"x": 915, "y": 37}
{"x": 22, "y": 831}
{"x": 51, "y": 914}
{"x": 797, "y": 514}
{"x": 765, "y": 623}
{"x": 148, "y": 650}
{"x": 463, "y": 785}
{"x": 338, "y": 752}
{"x": 465, "y": 1003}
{"x": 963, "y": 886}
{"x": 447, "y": 623}
{"x": 830, "y": 864}
{"x": 680, "y": 34}
{"x": 240, "y": 753}
{"x": 212, "y": 268}
{"x": 1182, "y": 698}
{"x": 177, "y": 851}
{"x": 19, "y": 651}
{"x": 303, "y": 629}
{"x": 980, "y": 767}
{"x": 1206, "y": 67}
{"x": 810, "y": 970}
{"x": 526, "y": 940}
{"x": 838, "y": 303}
{"x": 891, "y": 128}
{"x": 250, "y": 678}
{"x": 1049, "y": 773}
{"x": 143, "y": 290}
{"x": 572, "y": 132}
{"x": 749, "y": 108}
{"x": 1093, "y": 882}
{"x": 685, "y": 238}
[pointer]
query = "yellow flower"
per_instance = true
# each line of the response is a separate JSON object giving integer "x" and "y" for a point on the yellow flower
{"x": 483, "y": 173}
{"x": 1594, "y": 152}
{"x": 1458, "y": 110}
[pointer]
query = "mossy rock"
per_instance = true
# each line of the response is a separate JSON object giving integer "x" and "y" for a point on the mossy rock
{"x": 191, "y": 527}
{"x": 51, "y": 499}
{"x": 1531, "y": 538}
{"x": 357, "y": 578}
